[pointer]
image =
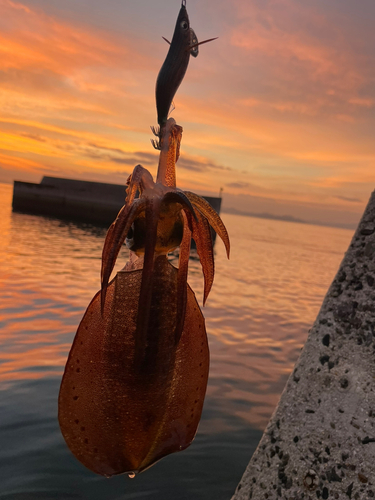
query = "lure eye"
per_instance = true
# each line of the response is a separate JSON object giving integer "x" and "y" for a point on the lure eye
{"x": 184, "y": 25}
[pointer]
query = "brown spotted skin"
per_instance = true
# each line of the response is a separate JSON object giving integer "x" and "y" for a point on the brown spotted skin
{"x": 119, "y": 413}
{"x": 136, "y": 376}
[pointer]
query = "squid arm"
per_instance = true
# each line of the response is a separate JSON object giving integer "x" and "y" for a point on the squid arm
{"x": 211, "y": 215}
{"x": 201, "y": 234}
{"x": 182, "y": 276}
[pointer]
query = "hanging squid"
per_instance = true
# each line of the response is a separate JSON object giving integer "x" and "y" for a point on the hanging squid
{"x": 136, "y": 375}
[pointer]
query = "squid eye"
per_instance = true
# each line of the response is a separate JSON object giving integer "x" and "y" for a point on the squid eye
{"x": 184, "y": 25}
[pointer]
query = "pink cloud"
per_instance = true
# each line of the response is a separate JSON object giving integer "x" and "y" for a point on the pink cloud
{"x": 31, "y": 37}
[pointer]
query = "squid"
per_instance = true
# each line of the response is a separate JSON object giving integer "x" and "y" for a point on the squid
{"x": 136, "y": 376}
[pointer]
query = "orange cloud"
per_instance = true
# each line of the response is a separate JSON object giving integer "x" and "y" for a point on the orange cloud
{"x": 35, "y": 39}
{"x": 278, "y": 109}
{"x": 55, "y": 69}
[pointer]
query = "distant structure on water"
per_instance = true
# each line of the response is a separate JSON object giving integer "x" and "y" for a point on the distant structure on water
{"x": 85, "y": 201}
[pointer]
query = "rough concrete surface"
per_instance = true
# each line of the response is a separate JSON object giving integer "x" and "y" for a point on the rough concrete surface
{"x": 320, "y": 441}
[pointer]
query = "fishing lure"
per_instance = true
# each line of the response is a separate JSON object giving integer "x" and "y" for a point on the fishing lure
{"x": 136, "y": 376}
{"x": 184, "y": 43}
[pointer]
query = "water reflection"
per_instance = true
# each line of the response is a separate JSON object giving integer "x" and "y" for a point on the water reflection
{"x": 258, "y": 314}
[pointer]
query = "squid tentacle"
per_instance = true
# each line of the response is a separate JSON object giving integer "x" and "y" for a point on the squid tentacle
{"x": 203, "y": 240}
{"x": 115, "y": 238}
{"x": 183, "y": 265}
{"x": 137, "y": 180}
{"x": 169, "y": 153}
{"x": 145, "y": 296}
{"x": 178, "y": 196}
{"x": 211, "y": 215}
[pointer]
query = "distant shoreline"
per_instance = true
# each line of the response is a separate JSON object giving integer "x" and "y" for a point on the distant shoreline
{"x": 285, "y": 218}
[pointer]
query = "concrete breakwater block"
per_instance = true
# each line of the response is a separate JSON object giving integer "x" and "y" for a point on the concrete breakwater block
{"x": 85, "y": 201}
{"x": 320, "y": 441}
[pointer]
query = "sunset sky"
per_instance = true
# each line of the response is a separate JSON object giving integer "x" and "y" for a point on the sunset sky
{"x": 279, "y": 111}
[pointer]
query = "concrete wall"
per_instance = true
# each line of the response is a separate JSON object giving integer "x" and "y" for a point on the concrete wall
{"x": 77, "y": 200}
{"x": 95, "y": 202}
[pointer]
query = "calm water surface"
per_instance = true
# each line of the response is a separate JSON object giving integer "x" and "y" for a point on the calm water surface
{"x": 263, "y": 302}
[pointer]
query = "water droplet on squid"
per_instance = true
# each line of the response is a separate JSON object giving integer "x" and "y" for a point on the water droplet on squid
{"x": 131, "y": 475}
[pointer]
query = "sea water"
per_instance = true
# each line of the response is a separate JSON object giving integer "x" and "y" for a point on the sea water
{"x": 262, "y": 305}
